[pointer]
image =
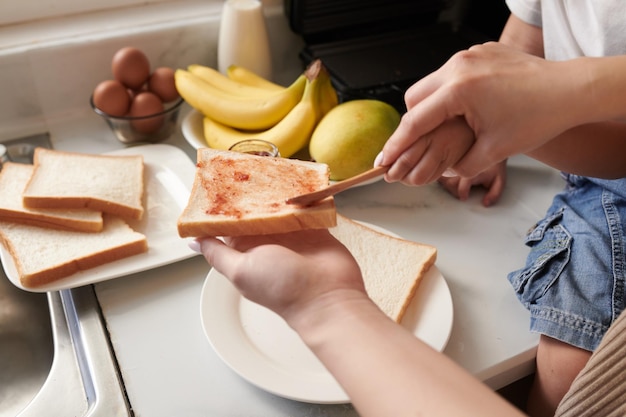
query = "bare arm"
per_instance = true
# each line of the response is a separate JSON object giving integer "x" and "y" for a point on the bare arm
{"x": 403, "y": 376}
{"x": 576, "y": 124}
{"x": 312, "y": 281}
{"x": 522, "y": 36}
{"x": 513, "y": 102}
{"x": 593, "y": 150}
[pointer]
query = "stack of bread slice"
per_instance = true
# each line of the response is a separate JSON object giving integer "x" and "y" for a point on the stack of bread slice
{"x": 68, "y": 212}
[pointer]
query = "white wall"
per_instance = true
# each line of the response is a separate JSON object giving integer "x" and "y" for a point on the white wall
{"x": 52, "y": 80}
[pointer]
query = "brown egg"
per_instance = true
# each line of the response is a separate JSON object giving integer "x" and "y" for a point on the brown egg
{"x": 146, "y": 103}
{"x": 132, "y": 93}
{"x": 111, "y": 97}
{"x": 131, "y": 67}
{"x": 162, "y": 84}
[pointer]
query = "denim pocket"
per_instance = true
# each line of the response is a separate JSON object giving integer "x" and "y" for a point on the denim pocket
{"x": 550, "y": 247}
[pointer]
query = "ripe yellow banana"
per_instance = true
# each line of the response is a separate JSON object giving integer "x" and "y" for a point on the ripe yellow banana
{"x": 250, "y": 78}
{"x": 249, "y": 113}
{"x": 222, "y": 82}
{"x": 328, "y": 94}
{"x": 290, "y": 134}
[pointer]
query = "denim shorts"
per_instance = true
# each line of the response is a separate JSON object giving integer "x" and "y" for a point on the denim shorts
{"x": 573, "y": 283}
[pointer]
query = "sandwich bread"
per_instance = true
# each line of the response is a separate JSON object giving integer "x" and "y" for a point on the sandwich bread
{"x": 13, "y": 180}
{"x": 111, "y": 184}
{"x": 43, "y": 255}
{"x": 242, "y": 194}
{"x": 392, "y": 267}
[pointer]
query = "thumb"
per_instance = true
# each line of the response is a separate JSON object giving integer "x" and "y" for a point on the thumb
{"x": 219, "y": 255}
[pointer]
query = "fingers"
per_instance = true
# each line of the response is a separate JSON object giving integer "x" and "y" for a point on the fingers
{"x": 463, "y": 188}
{"x": 493, "y": 180}
{"x": 477, "y": 159}
{"x": 457, "y": 186}
{"x": 422, "y": 89}
{"x": 449, "y": 76}
{"x": 219, "y": 255}
{"x": 450, "y": 184}
{"x": 418, "y": 121}
{"x": 432, "y": 154}
{"x": 496, "y": 188}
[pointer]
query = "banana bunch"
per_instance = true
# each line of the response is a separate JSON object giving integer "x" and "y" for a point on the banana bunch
{"x": 328, "y": 95}
{"x": 236, "y": 88}
{"x": 248, "y": 77}
{"x": 242, "y": 105}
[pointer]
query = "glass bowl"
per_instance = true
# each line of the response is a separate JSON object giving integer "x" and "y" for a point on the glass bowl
{"x": 145, "y": 129}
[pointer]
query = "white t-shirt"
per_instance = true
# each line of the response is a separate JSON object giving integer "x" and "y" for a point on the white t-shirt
{"x": 574, "y": 28}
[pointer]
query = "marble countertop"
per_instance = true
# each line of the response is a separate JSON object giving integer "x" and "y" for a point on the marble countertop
{"x": 169, "y": 368}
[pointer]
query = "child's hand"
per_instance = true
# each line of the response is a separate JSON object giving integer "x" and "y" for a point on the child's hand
{"x": 426, "y": 159}
{"x": 493, "y": 179}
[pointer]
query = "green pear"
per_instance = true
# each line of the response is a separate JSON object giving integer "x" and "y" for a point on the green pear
{"x": 349, "y": 136}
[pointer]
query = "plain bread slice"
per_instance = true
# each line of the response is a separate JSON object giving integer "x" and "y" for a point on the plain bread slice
{"x": 13, "y": 180}
{"x": 392, "y": 267}
{"x": 237, "y": 194}
{"x": 109, "y": 183}
{"x": 43, "y": 255}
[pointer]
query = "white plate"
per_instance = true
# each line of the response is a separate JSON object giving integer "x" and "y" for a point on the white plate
{"x": 261, "y": 348}
{"x": 169, "y": 176}
{"x": 193, "y": 130}
{"x": 191, "y": 127}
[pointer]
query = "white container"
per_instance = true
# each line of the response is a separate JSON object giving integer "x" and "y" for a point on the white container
{"x": 243, "y": 38}
{"x": 4, "y": 156}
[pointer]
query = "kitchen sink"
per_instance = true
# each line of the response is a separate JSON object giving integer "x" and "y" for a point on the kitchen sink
{"x": 55, "y": 354}
{"x": 21, "y": 149}
{"x": 26, "y": 346}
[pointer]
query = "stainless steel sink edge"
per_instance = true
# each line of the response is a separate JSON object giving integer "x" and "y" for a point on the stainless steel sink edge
{"x": 101, "y": 377}
{"x": 62, "y": 393}
{"x": 84, "y": 379}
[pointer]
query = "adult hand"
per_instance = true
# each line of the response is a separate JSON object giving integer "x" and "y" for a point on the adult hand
{"x": 288, "y": 273}
{"x": 506, "y": 98}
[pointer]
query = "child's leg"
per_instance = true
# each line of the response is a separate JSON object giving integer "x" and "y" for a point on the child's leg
{"x": 574, "y": 282}
{"x": 558, "y": 363}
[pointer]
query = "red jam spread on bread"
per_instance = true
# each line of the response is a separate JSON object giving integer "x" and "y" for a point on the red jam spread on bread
{"x": 235, "y": 187}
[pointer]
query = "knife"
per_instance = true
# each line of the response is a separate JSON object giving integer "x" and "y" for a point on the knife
{"x": 310, "y": 198}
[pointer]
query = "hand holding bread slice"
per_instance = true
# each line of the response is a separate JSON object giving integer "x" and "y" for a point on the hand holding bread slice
{"x": 237, "y": 194}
